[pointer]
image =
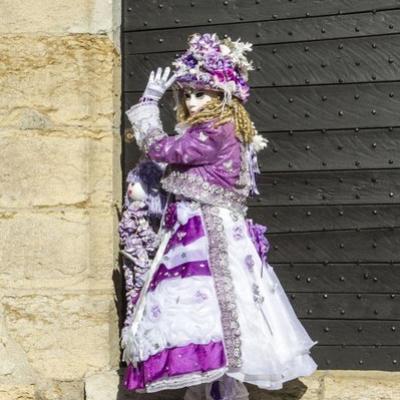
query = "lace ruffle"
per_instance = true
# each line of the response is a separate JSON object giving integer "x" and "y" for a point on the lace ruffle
{"x": 146, "y": 123}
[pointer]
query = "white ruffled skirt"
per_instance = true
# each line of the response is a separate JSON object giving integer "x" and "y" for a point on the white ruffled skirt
{"x": 274, "y": 344}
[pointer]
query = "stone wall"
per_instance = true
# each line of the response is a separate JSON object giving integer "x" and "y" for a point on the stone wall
{"x": 60, "y": 184}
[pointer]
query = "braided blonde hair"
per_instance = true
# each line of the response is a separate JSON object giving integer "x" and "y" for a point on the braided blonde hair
{"x": 235, "y": 112}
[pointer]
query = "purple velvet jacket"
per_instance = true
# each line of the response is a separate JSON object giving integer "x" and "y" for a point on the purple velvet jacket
{"x": 206, "y": 164}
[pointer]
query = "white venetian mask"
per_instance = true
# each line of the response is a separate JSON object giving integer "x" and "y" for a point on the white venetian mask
{"x": 196, "y": 99}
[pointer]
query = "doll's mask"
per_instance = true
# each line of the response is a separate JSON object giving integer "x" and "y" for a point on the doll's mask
{"x": 136, "y": 191}
{"x": 196, "y": 99}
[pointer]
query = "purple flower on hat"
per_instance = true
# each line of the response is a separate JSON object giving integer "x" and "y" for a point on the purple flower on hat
{"x": 228, "y": 75}
{"x": 204, "y": 42}
{"x": 190, "y": 60}
{"x": 220, "y": 75}
{"x": 223, "y": 61}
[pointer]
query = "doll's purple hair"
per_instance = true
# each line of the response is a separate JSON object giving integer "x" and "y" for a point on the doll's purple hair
{"x": 149, "y": 174}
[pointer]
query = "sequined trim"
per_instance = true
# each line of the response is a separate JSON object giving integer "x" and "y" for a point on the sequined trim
{"x": 223, "y": 283}
{"x": 185, "y": 380}
{"x": 195, "y": 187}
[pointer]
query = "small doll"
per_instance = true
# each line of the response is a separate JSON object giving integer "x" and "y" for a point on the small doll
{"x": 143, "y": 205}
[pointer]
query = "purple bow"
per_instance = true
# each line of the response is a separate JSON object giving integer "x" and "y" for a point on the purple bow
{"x": 260, "y": 241}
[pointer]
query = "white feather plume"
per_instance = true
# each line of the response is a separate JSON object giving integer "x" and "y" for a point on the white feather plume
{"x": 259, "y": 142}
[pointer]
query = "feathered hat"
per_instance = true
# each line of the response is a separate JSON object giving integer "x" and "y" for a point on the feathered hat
{"x": 215, "y": 64}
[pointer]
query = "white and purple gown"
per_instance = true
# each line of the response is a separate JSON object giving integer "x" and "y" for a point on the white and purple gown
{"x": 212, "y": 308}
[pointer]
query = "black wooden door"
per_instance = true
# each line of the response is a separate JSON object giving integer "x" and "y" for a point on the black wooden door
{"x": 326, "y": 93}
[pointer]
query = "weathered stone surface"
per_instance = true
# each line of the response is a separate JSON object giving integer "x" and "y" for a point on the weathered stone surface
{"x": 101, "y": 166}
{"x": 56, "y": 390}
{"x": 103, "y": 256}
{"x": 65, "y": 336}
{"x": 39, "y": 170}
{"x": 14, "y": 365}
{"x": 102, "y": 386}
{"x": 362, "y": 385}
{"x": 17, "y": 392}
{"x": 58, "y": 246}
{"x": 43, "y": 171}
{"x": 56, "y": 16}
{"x": 67, "y": 249}
{"x": 53, "y": 81}
{"x": 60, "y": 179}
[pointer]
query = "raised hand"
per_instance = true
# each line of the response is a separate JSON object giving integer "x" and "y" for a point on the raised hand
{"x": 158, "y": 83}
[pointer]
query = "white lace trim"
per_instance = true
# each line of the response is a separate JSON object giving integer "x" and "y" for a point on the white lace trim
{"x": 146, "y": 124}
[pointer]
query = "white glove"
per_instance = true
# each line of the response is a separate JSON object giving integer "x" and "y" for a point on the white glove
{"x": 145, "y": 116}
{"x": 157, "y": 85}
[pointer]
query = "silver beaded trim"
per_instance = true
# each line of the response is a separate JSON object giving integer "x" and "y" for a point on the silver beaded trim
{"x": 195, "y": 187}
{"x": 218, "y": 253}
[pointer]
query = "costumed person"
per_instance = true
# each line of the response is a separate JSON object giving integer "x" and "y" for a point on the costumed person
{"x": 212, "y": 313}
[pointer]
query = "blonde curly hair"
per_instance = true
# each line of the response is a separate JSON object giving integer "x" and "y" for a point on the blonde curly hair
{"x": 235, "y": 112}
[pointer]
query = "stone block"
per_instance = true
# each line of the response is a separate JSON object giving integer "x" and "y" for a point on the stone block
{"x": 17, "y": 392}
{"x": 60, "y": 17}
{"x": 53, "y": 81}
{"x": 39, "y": 247}
{"x": 65, "y": 336}
{"x": 362, "y": 385}
{"x": 59, "y": 390}
{"x": 103, "y": 386}
{"x": 39, "y": 170}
